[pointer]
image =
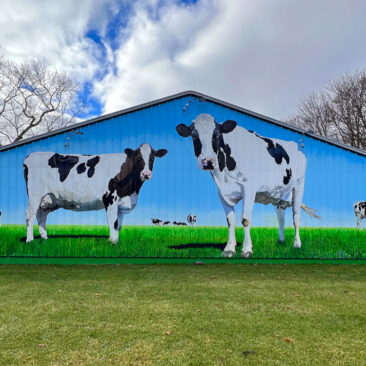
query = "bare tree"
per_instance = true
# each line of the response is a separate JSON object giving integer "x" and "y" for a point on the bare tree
{"x": 338, "y": 111}
{"x": 34, "y": 98}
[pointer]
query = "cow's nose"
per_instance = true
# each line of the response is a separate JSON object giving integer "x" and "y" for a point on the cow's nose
{"x": 208, "y": 163}
{"x": 146, "y": 175}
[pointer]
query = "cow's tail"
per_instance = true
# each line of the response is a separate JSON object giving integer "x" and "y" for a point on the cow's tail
{"x": 310, "y": 211}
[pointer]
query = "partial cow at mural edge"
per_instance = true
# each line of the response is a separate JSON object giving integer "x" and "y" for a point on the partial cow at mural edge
{"x": 86, "y": 187}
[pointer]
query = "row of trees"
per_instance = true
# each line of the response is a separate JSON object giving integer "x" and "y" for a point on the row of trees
{"x": 35, "y": 98}
{"x": 338, "y": 111}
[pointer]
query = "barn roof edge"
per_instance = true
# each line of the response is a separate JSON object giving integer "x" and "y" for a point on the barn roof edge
{"x": 177, "y": 96}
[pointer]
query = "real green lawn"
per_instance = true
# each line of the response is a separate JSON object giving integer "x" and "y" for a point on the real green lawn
{"x": 183, "y": 315}
{"x": 180, "y": 242}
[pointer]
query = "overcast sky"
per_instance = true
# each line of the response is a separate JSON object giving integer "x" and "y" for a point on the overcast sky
{"x": 263, "y": 55}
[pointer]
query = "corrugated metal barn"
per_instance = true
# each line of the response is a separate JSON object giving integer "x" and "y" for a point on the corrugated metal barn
{"x": 154, "y": 203}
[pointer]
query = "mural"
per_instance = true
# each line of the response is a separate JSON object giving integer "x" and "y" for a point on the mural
{"x": 252, "y": 209}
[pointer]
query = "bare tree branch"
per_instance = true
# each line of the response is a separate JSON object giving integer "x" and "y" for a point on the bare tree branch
{"x": 34, "y": 98}
{"x": 338, "y": 111}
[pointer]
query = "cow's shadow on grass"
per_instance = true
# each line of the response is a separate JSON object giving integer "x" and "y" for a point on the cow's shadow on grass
{"x": 76, "y": 236}
{"x": 216, "y": 246}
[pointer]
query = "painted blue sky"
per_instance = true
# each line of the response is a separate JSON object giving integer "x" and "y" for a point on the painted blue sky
{"x": 262, "y": 55}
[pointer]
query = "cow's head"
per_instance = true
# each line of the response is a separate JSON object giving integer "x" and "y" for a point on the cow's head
{"x": 141, "y": 160}
{"x": 208, "y": 142}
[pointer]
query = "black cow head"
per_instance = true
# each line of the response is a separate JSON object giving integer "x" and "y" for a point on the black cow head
{"x": 208, "y": 142}
{"x": 141, "y": 160}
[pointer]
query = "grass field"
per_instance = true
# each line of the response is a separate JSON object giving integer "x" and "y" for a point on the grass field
{"x": 183, "y": 242}
{"x": 183, "y": 315}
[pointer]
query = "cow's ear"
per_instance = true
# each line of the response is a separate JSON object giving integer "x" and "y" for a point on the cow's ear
{"x": 227, "y": 126}
{"x": 160, "y": 153}
{"x": 130, "y": 153}
{"x": 183, "y": 130}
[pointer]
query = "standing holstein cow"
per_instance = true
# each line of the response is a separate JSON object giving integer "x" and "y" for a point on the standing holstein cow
{"x": 360, "y": 212}
{"x": 86, "y": 183}
{"x": 250, "y": 167}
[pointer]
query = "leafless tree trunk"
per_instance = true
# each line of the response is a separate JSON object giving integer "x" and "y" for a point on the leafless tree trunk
{"x": 338, "y": 111}
{"x": 34, "y": 98}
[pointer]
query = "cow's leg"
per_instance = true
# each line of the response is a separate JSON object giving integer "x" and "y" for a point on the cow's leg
{"x": 42, "y": 218}
{"x": 112, "y": 216}
{"x": 297, "y": 194}
{"x": 281, "y": 224}
{"x": 248, "y": 203}
{"x": 118, "y": 223}
{"x": 31, "y": 214}
{"x": 229, "y": 250}
{"x": 358, "y": 221}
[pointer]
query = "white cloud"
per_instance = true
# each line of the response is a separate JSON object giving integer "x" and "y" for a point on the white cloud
{"x": 54, "y": 30}
{"x": 262, "y": 55}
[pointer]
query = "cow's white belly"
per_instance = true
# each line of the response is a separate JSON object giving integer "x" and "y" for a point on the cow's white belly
{"x": 232, "y": 187}
{"x": 52, "y": 201}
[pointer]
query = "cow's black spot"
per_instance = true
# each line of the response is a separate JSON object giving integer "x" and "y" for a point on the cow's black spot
{"x": 107, "y": 199}
{"x": 287, "y": 177}
{"x": 276, "y": 151}
{"x": 197, "y": 145}
{"x": 115, "y": 224}
{"x": 222, "y": 150}
{"x": 91, "y": 163}
{"x": 128, "y": 180}
{"x": 221, "y": 160}
{"x": 64, "y": 163}
{"x": 81, "y": 168}
{"x": 26, "y": 176}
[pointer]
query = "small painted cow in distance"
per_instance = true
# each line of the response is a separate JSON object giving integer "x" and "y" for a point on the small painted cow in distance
{"x": 360, "y": 212}
{"x": 86, "y": 183}
{"x": 191, "y": 219}
{"x": 157, "y": 221}
{"x": 247, "y": 166}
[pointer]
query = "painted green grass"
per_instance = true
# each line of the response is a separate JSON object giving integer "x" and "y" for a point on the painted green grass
{"x": 216, "y": 315}
{"x": 180, "y": 242}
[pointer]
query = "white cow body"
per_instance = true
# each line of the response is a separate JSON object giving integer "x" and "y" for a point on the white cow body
{"x": 249, "y": 167}
{"x": 86, "y": 183}
{"x": 81, "y": 192}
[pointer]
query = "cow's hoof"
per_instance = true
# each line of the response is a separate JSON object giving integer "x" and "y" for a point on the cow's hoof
{"x": 246, "y": 254}
{"x": 297, "y": 244}
{"x": 228, "y": 253}
{"x": 44, "y": 237}
{"x": 281, "y": 241}
{"x": 113, "y": 241}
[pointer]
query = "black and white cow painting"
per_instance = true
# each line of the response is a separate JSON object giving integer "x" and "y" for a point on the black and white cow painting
{"x": 86, "y": 183}
{"x": 246, "y": 166}
{"x": 360, "y": 212}
{"x": 191, "y": 219}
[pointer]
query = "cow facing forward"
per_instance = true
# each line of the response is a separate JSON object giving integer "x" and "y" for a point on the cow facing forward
{"x": 249, "y": 167}
{"x": 86, "y": 183}
{"x": 360, "y": 212}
